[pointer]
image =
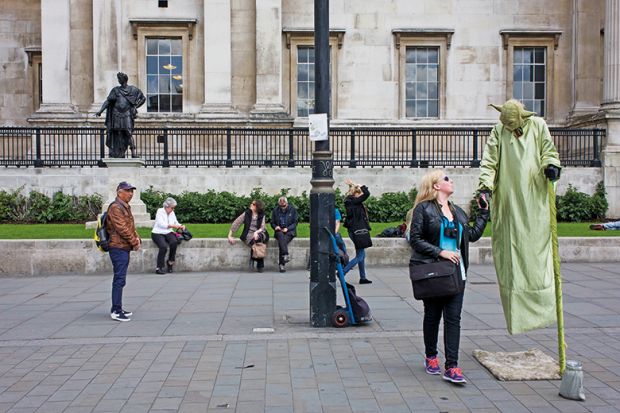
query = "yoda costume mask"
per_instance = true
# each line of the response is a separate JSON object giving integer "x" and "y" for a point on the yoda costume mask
{"x": 518, "y": 160}
{"x": 513, "y": 116}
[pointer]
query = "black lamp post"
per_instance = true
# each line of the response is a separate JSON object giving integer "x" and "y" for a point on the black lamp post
{"x": 322, "y": 269}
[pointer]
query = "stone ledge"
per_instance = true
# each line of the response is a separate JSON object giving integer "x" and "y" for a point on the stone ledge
{"x": 81, "y": 257}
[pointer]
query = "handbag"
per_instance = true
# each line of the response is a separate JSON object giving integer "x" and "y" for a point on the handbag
{"x": 438, "y": 279}
{"x": 186, "y": 235}
{"x": 361, "y": 239}
{"x": 259, "y": 250}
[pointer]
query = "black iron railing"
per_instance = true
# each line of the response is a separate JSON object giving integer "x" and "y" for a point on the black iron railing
{"x": 229, "y": 147}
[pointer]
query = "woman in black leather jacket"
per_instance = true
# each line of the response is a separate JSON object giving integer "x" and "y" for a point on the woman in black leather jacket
{"x": 440, "y": 230}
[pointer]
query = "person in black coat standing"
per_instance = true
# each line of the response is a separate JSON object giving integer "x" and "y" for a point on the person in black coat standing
{"x": 284, "y": 224}
{"x": 440, "y": 231}
{"x": 358, "y": 226}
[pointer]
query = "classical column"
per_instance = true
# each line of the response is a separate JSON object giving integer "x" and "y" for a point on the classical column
{"x": 55, "y": 49}
{"x": 611, "y": 62}
{"x": 586, "y": 59}
{"x": 106, "y": 51}
{"x": 217, "y": 59}
{"x": 611, "y": 106}
{"x": 268, "y": 58}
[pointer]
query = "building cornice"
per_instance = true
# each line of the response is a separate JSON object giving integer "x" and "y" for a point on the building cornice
{"x": 529, "y": 33}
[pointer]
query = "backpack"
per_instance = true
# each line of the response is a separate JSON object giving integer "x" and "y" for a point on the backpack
{"x": 360, "y": 307}
{"x": 102, "y": 237}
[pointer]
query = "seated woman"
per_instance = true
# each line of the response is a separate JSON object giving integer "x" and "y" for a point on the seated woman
{"x": 254, "y": 230}
{"x": 163, "y": 234}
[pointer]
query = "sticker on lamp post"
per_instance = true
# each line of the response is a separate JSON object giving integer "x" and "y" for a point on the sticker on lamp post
{"x": 318, "y": 126}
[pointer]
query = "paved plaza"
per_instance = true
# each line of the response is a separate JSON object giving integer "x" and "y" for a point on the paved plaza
{"x": 191, "y": 346}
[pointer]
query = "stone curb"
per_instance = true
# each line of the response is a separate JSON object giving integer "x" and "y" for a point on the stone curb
{"x": 81, "y": 257}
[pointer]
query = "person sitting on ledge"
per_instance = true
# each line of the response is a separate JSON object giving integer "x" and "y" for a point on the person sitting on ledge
{"x": 607, "y": 225}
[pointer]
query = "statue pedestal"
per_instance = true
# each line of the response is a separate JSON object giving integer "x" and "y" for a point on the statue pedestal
{"x": 125, "y": 169}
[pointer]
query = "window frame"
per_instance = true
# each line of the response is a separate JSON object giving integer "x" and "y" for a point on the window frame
{"x": 439, "y": 38}
{"x": 546, "y": 39}
{"x": 305, "y": 38}
{"x": 163, "y": 30}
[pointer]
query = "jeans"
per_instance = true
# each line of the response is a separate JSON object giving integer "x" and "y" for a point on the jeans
{"x": 283, "y": 240}
{"x": 450, "y": 307}
{"x": 612, "y": 225}
{"x": 164, "y": 241}
{"x": 120, "y": 262}
{"x": 360, "y": 255}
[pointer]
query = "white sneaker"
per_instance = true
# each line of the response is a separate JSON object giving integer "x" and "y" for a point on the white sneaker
{"x": 119, "y": 317}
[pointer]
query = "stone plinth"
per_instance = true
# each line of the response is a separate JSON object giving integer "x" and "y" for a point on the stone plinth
{"x": 126, "y": 169}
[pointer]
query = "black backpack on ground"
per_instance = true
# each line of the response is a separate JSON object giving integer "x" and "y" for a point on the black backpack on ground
{"x": 360, "y": 307}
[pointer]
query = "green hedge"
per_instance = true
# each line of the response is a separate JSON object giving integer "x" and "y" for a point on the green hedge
{"x": 39, "y": 208}
{"x": 573, "y": 206}
{"x": 223, "y": 207}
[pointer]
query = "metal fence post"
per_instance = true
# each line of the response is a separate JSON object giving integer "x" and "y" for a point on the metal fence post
{"x": 100, "y": 162}
{"x": 475, "y": 162}
{"x": 352, "y": 161}
{"x": 596, "y": 161}
{"x": 291, "y": 153}
{"x": 38, "y": 162}
{"x": 414, "y": 149}
{"x": 229, "y": 163}
{"x": 166, "y": 161}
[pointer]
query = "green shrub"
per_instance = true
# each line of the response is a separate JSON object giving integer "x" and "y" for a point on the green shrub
{"x": 573, "y": 206}
{"x": 38, "y": 207}
{"x": 223, "y": 207}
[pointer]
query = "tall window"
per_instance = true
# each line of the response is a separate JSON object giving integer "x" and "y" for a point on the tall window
{"x": 300, "y": 68}
{"x": 422, "y": 82}
{"x": 164, "y": 73}
{"x": 305, "y": 80}
{"x": 529, "y": 77}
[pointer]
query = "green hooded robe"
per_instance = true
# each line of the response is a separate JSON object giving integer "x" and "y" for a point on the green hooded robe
{"x": 512, "y": 169}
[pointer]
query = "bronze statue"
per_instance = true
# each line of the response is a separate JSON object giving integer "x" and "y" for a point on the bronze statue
{"x": 122, "y": 108}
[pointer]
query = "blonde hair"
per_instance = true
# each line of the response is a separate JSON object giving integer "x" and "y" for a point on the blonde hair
{"x": 426, "y": 191}
{"x": 354, "y": 189}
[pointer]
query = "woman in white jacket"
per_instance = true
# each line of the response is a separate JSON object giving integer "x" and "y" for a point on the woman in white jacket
{"x": 163, "y": 234}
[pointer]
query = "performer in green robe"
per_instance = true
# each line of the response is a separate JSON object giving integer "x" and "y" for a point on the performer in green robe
{"x": 519, "y": 159}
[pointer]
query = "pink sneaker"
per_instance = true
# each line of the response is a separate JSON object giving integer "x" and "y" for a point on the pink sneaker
{"x": 455, "y": 375}
{"x": 431, "y": 364}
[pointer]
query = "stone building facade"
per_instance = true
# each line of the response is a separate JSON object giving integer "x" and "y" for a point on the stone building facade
{"x": 250, "y": 62}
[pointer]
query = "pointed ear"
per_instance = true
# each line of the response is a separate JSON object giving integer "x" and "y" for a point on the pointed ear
{"x": 526, "y": 114}
{"x": 497, "y": 107}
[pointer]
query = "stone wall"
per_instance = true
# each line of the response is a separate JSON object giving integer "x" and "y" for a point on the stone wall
{"x": 242, "y": 180}
{"x": 81, "y": 257}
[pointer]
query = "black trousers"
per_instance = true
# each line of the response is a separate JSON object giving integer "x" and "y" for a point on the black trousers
{"x": 283, "y": 241}
{"x": 165, "y": 241}
{"x": 450, "y": 307}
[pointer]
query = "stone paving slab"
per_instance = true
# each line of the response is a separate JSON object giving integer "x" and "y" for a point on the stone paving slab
{"x": 190, "y": 346}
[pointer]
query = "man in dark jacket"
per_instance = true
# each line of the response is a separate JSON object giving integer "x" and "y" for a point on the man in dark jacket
{"x": 284, "y": 224}
{"x": 123, "y": 239}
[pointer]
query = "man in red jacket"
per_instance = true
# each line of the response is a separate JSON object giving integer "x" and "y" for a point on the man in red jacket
{"x": 123, "y": 239}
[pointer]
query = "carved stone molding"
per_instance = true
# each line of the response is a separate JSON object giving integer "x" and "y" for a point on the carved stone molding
{"x": 290, "y": 33}
{"x": 405, "y": 33}
{"x": 173, "y": 22}
{"x": 538, "y": 34}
